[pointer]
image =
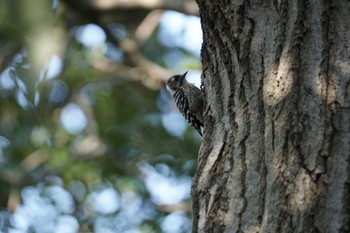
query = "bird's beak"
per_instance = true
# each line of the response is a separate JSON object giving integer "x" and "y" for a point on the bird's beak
{"x": 183, "y": 77}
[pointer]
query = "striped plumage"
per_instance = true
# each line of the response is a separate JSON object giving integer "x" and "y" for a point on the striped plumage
{"x": 188, "y": 99}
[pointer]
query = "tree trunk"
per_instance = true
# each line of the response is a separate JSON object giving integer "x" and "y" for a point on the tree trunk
{"x": 275, "y": 154}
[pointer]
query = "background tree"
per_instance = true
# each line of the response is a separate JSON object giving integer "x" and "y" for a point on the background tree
{"x": 275, "y": 155}
{"x": 87, "y": 130}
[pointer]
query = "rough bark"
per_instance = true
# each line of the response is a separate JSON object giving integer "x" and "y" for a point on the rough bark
{"x": 275, "y": 154}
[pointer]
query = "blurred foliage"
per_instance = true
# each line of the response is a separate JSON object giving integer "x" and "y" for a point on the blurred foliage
{"x": 80, "y": 147}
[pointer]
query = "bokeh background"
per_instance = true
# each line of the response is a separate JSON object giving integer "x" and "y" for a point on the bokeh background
{"x": 90, "y": 140}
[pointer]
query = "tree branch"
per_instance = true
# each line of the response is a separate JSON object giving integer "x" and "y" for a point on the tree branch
{"x": 184, "y": 6}
{"x": 149, "y": 73}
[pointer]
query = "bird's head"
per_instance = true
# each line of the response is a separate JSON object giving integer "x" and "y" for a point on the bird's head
{"x": 176, "y": 81}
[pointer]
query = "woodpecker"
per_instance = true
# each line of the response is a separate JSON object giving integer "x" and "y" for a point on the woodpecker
{"x": 188, "y": 99}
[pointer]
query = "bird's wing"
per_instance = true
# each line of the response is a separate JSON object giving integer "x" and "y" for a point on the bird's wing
{"x": 183, "y": 106}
